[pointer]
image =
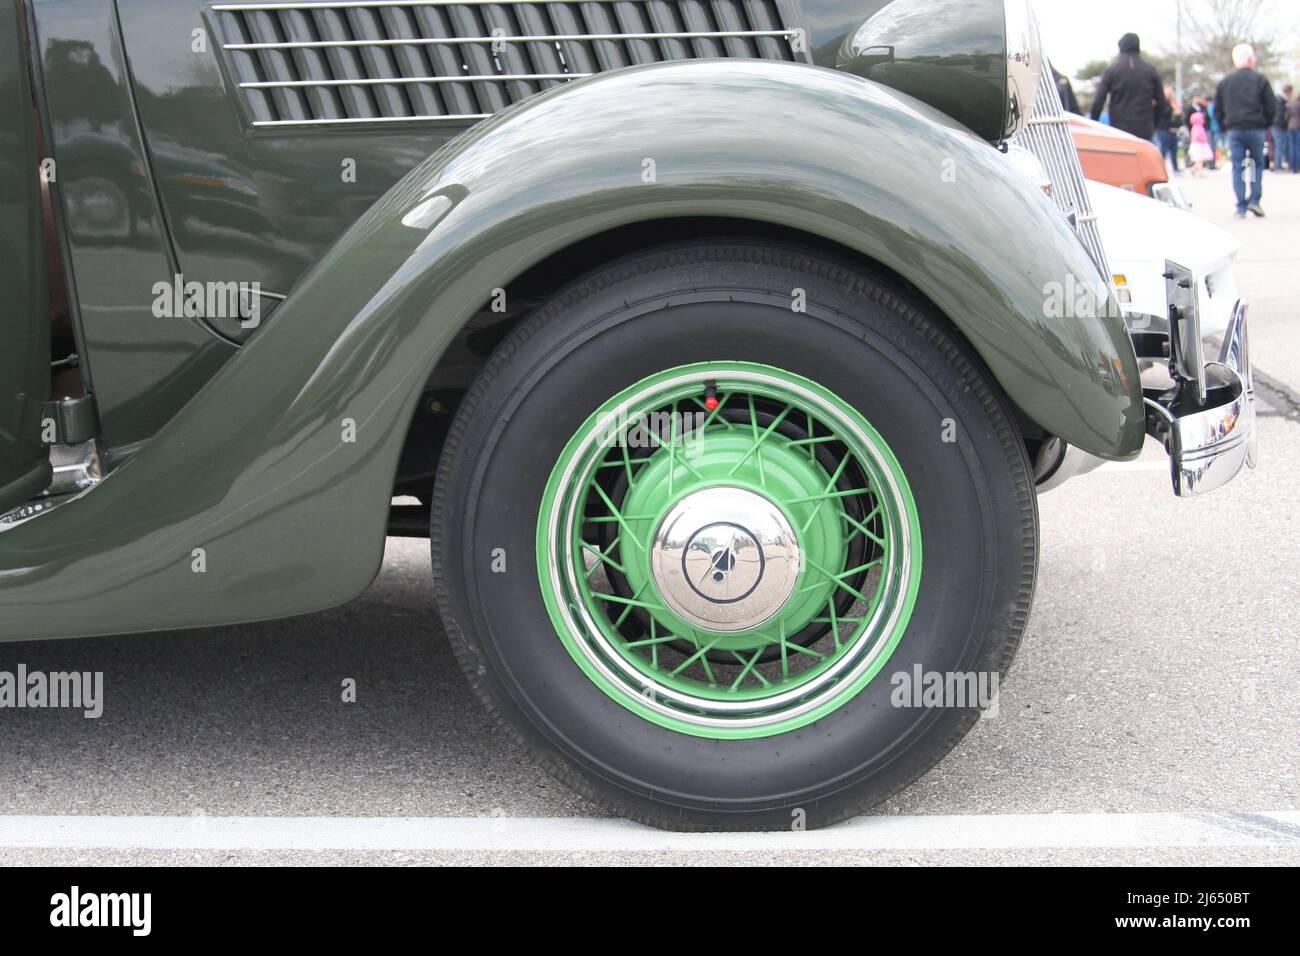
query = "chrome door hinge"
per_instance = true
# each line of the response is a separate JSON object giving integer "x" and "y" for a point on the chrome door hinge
{"x": 70, "y": 421}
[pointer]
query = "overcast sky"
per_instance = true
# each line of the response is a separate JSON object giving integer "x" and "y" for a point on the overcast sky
{"x": 1076, "y": 31}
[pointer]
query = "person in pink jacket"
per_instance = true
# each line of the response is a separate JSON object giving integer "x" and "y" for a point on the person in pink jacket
{"x": 1199, "y": 152}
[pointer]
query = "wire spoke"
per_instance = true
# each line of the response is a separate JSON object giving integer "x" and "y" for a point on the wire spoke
{"x": 748, "y": 667}
{"x": 592, "y": 549}
{"x": 759, "y": 439}
{"x": 673, "y": 458}
{"x": 704, "y": 662}
{"x": 859, "y": 569}
{"x": 785, "y": 658}
{"x": 672, "y": 451}
{"x": 618, "y": 623}
{"x": 839, "y": 470}
{"x": 617, "y": 516}
{"x": 837, "y": 580}
{"x": 698, "y": 655}
{"x": 861, "y": 527}
{"x": 827, "y": 496}
{"x": 647, "y": 641}
{"x": 631, "y": 602}
{"x": 627, "y": 462}
{"x": 797, "y": 648}
{"x": 818, "y": 440}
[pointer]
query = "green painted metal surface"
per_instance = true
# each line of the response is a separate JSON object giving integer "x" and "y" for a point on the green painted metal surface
{"x": 291, "y": 518}
{"x": 24, "y": 326}
{"x": 144, "y": 366}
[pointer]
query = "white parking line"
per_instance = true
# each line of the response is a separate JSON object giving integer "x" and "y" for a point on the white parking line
{"x": 565, "y": 834}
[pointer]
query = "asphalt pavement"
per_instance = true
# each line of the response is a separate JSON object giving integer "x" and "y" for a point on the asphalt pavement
{"x": 1150, "y": 717}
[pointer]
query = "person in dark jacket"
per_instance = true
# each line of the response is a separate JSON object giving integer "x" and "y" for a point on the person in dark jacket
{"x": 1133, "y": 87}
{"x": 1066, "y": 89}
{"x": 1245, "y": 106}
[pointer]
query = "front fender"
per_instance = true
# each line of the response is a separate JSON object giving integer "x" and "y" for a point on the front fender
{"x": 831, "y": 155}
{"x": 257, "y": 470}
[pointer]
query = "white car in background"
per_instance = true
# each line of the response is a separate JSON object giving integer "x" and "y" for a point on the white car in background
{"x": 1139, "y": 233}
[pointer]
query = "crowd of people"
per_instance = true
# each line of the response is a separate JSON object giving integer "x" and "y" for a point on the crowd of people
{"x": 1256, "y": 127}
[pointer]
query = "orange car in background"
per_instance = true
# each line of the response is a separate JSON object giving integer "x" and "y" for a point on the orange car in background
{"x": 1111, "y": 156}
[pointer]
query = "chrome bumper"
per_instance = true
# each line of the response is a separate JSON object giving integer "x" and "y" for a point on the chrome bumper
{"x": 1206, "y": 419}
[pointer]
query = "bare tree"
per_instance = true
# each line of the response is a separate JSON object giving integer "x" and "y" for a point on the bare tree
{"x": 1214, "y": 27}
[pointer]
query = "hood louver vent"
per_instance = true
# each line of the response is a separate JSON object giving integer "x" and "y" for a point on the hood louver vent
{"x": 383, "y": 61}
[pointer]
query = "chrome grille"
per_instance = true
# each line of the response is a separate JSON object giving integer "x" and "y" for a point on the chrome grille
{"x": 1048, "y": 137}
{"x": 377, "y": 61}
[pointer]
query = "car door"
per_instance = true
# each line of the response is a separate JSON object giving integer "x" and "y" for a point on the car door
{"x": 24, "y": 324}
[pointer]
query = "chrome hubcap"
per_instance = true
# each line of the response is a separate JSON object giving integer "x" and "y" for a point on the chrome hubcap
{"x": 725, "y": 558}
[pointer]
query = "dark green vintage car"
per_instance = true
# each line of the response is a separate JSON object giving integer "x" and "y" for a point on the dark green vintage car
{"x": 724, "y": 344}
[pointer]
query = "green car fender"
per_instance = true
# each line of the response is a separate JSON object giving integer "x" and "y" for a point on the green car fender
{"x": 267, "y": 495}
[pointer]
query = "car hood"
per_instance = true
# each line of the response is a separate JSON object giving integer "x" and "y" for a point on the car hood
{"x": 1135, "y": 227}
{"x": 1099, "y": 135}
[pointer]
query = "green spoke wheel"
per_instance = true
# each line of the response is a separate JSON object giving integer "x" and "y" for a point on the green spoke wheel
{"x": 729, "y": 550}
{"x": 678, "y": 532}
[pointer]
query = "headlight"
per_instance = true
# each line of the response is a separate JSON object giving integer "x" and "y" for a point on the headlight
{"x": 1171, "y": 194}
{"x": 1120, "y": 281}
{"x": 1024, "y": 65}
{"x": 978, "y": 61}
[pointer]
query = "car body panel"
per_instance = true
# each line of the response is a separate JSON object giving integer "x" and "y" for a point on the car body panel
{"x": 250, "y": 206}
{"x": 1141, "y": 234}
{"x": 24, "y": 330}
{"x": 1117, "y": 158}
{"x": 144, "y": 368}
{"x": 291, "y": 517}
{"x": 162, "y": 177}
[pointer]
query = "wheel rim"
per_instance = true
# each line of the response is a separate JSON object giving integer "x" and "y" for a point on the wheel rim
{"x": 728, "y": 550}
